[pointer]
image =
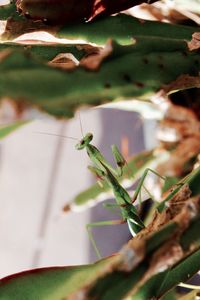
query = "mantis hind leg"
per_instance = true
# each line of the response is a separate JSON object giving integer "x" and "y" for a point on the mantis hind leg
{"x": 98, "y": 224}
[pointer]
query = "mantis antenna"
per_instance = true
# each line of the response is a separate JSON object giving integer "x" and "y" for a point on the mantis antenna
{"x": 59, "y": 135}
{"x": 81, "y": 126}
{"x": 65, "y": 136}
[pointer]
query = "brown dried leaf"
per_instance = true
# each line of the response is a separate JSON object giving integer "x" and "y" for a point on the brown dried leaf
{"x": 194, "y": 44}
{"x": 179, "y": 123}
{"x": 180, "y": 129}
{"x": 164, "y": 258}
{"x": 187, "y": 149}
{"x": 65, "y": 61}
{"x": 94, "y": 60}
{"x": 15, "y": 28}
{"x": 182, "y": 82}
{"x": 161, "y": 11}
{"x": 180, "y": 113}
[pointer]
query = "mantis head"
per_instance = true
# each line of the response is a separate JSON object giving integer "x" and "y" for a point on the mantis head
{"x": 85, "y": 141}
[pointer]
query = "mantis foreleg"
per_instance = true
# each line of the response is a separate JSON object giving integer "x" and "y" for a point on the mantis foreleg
{"x": 119, "y": 159}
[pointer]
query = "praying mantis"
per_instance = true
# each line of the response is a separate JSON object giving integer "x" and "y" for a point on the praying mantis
{"x": 103, "y": 170}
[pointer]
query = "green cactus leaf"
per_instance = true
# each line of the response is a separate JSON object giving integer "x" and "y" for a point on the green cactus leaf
{"x": 170, "y": 296}
{"x": 46, "y": 52}
{"x": 121, "y": 28}
{"x": 49, "y": 283}
{"x": 137, "y": 70}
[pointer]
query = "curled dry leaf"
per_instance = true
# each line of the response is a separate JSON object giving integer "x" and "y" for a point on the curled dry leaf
{"x": 169, "y": 11}
{"x": 15, "y": 28}
{"x": 94, "y": 60}
{"x": 194, "y": 44}
{"x": 68, "y": 61}
{"x": 179, "y": 113}
{"x": 65, "y": 61}
{"x": 186, "y": 150}
{"x": 183, "y": 82}
{"x": 175, "y": 206}
{"x": 180, "y": 128}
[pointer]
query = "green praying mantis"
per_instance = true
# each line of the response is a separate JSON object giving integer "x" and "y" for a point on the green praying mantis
{"x": 103, "y": 170}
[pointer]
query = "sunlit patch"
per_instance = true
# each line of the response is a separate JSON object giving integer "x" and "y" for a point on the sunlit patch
{"x": 2, "y": 26}
{"x": 43, "y": 36}
{"x": 167, "y": 134}
{"x": 4, "y": 2}
{"x": 146, "y": 109}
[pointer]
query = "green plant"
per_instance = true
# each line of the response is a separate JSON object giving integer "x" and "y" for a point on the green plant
{"x": 120, "y": 57}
